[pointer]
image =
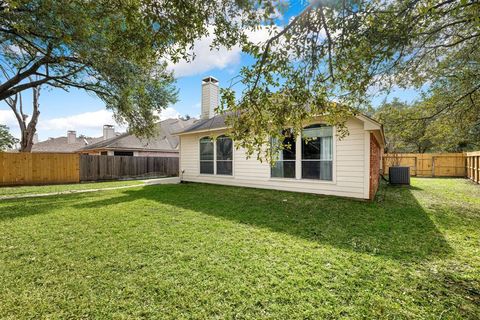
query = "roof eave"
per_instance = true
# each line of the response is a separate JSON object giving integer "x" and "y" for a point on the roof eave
{"x": 184, "y": 133}
{"x": 127, "y": 149}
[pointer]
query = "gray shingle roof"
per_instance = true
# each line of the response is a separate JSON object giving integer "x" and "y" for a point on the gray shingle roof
{"x": 215, "y": 122}
{"x": 61, "y": 144}
{"x": 165, "y": 140}
{"x": 218, "y": 121}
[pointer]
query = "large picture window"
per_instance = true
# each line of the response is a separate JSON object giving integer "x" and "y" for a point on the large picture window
{"x": 285, "y": 165}
{"x": 224, "y": 155}
{"x": 317, "y": 152}
{"x": 206, "y": 155}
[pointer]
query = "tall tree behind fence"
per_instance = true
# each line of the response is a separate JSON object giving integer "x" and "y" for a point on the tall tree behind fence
{"x": 94, "y": 168}
{"x": 473, "y": 166}
{"x": 38, "y": 168}
{"x": 428, "y": 164}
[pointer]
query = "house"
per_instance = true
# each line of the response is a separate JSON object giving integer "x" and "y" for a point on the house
{"x": 164, "y": 144}
{"x": 69, "y": 144}
{"x": 322, "y": 164}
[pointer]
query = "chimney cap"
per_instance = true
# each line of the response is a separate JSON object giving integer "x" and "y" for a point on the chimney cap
{"x": 71, "y": 131}
{"x": 108, "y": 125}
{"x": 209, "y": 79}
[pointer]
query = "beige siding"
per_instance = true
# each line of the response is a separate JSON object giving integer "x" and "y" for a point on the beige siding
{"x": 348, "y": 177}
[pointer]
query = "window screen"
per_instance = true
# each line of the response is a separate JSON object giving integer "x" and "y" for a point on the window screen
{"x": 317, "y": 152}
{"x": 206, "y": 155}
{"x": 224, "y": 155}
{"x": 285, "y": 165}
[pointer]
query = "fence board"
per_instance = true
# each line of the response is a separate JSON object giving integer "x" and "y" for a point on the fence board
{"x": 429, "y": 164}
{"x": 38, "y": 168}
{"x": 473, "y": 166}
{"x": 94, "y": 168}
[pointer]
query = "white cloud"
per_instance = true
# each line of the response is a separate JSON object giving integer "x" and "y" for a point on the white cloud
{"x": 79, "y": 122}
{"x": 7, "y": 118}
{"x": 88, "y": 123}
{"x": 92, "y": 121}
{"x": 207, "y": 59}
{"x": 169, "y": 113}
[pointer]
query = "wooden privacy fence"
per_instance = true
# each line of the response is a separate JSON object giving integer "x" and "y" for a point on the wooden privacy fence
{"x": 428, "y": 164}
{"x": 473, "y": 166}
{"x": 94, "y": 168}
{"x": 38, "y": 168}
{"x": 54, "y": 168}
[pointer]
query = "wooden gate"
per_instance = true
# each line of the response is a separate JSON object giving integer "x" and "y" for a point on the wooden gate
{"x": 95, "y": 168}
{"x": 473, "y": 166}
{"x": 428, "y": 164}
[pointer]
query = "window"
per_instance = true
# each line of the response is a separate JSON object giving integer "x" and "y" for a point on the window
{"x": 224, "y": 155}
{"x": 123, "y": 153}
{"x": 285, "y": 165}
{"x": 206, "y": 155}
{"x": 317, "y": 153}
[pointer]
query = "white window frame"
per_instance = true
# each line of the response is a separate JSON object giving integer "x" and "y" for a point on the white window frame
{"x": 298, "y": 160}
{"x": 216, "y": 160}
{"x": 295, "y": 161}
{"x": 333, "y": 153}
{"x": 200, "y": 156}
{"x": 214, "y": 137}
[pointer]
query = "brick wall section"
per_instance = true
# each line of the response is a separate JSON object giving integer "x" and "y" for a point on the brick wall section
{"x": 375, "y": 152}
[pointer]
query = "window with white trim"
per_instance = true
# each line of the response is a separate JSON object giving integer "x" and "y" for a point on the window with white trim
{"x": 285, "y": 165}
{"x": 206, "y": 155}
{"x": 317, "y": 152}
{"x": 224, "y": 155}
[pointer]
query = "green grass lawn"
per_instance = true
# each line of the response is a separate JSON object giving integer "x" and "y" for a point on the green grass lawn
{"x": 14, "y": 191}
{"x": 205, "y": 251}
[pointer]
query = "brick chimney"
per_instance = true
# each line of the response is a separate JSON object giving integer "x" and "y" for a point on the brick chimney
{"x": 108, "y": 131}
{"x": 71, "y": 136}
{"x": 209, "y": 97}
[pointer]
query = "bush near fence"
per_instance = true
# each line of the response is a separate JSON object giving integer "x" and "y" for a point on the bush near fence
{"x": 56, "y": 168}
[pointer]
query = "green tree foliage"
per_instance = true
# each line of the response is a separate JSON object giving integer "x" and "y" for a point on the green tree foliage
{"x": 325, "y": 61}
{"x": 407, "y": 131}
{"x": 116, "y": 50}
{"x": 342, "y": 50}
{"x": 7, "y": 141}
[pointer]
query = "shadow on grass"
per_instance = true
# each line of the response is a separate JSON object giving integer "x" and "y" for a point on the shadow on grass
{"x": 397, "y": 228}
{"x": 24, "y": 207}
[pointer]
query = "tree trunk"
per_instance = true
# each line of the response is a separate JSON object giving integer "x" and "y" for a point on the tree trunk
{"x": 29, "y": 130}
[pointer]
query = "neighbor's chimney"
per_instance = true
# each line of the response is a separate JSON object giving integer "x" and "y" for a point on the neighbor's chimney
{"x": 209, "y": 97}
{"x": 108, "y": 131}
{"x": 71, "y": 136}
{"x": 35, "y": 138}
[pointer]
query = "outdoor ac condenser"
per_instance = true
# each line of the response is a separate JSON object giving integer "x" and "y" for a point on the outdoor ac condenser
{"x": 399, "y": 175}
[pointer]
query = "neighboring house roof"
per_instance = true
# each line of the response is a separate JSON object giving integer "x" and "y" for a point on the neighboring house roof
{"x": 165, "y": 140}
{"x": 61, "y": 144}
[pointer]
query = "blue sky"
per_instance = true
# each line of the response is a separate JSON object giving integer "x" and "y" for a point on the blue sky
{"x": 83, "y": 112}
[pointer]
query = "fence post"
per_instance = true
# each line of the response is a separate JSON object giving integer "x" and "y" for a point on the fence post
{"x": 433, "y": 166}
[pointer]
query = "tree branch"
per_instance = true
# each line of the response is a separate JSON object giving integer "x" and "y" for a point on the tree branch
{"x": 449, "y": 105}
{"x": 329, "y": 42}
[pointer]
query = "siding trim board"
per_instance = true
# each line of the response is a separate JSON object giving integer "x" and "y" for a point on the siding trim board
{"x": 375, "y": 161}
{"x": 350, "y": 167}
